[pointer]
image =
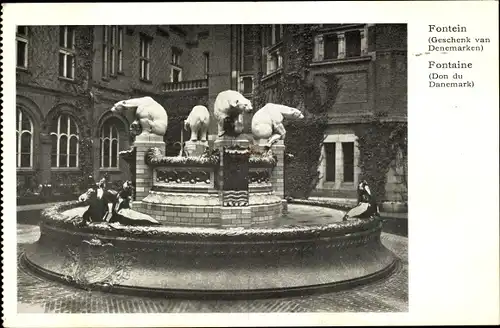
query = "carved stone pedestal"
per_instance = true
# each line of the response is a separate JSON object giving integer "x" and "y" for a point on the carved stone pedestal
{"x": 195, "y": 148}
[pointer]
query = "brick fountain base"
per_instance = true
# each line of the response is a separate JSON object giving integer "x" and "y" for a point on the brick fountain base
{"x": 223, "y": 233}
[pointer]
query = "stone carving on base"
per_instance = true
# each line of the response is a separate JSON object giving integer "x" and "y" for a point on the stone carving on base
{"x": 198, "y": 122}
{"x": 150, "y": 116}
{"x": 267, "y": 122}
{"x": 229, "y": 108}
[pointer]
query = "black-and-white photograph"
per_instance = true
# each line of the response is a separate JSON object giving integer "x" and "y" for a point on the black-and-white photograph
{"x": 212, "y": 168}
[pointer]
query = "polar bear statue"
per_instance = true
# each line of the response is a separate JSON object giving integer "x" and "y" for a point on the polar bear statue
{"x": 229, "y": 107}
{"x": 267, "y": 122}
{"x": 198, "y": 121}
{"x": 149, "y": 115}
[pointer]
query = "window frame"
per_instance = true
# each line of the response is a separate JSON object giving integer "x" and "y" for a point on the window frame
{"x": 68, "y": 134}
{"x": 112, "y": 50}
{"x": 67, "y": 52}
{"x": 332, "y": 175}
{"x": 145, "y": 43}
{"x": 24, "y": 38}
{"x": 19, "y": 115}
{"x": 175, "y": 64}
{"x": 109, "y": 136}
{"x": 206, "y": 58}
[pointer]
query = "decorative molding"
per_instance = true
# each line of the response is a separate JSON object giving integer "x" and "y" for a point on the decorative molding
{"x": 183, "y": 176}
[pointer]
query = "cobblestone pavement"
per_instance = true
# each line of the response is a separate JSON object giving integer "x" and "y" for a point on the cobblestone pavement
{"x": 36, "y": 294}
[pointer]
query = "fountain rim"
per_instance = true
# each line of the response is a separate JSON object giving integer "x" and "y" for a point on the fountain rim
{"x": 53, "y": 217}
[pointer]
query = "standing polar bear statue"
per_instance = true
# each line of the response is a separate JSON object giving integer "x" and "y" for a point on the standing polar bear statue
{"x": 198, "y": 121}
{"x": 229, "y": 107}
{"x": 149, "y": 115}
{"x": 267, "y": 122}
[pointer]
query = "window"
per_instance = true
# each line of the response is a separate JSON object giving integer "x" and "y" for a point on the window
{"x": 273, "y": 34}
{"x": 67, "y": 52}
{"x": 176, "y": 73}
{"x": 348, "y": 154}
{"x": 24, "y": 138}
{"x": 112, "y": 50}
{"x": 274, "y": 61}
{"x": 64, "y": 134}
{"x": 353, "y": 43}
{"x": 330, "y": 157}
{"x": 331, "y": 48}
{"x": 22, "y": 46}
{"x": 246, "y": 85}
{"x": 206, "y": 57}
{"x": 109, "y": 144}
{"x": 145, "y": 59}
{"x": 247, "y": 49}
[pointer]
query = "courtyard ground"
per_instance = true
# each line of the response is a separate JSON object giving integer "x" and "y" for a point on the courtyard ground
{"x": 36, "y": 294}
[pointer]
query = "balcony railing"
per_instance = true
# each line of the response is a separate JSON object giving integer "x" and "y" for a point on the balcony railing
{"x": 185, "y": 85}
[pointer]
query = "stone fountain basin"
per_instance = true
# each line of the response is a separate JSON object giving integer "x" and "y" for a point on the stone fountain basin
{"x": 205, "y": 262}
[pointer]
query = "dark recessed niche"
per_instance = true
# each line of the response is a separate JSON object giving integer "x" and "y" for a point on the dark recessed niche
{"x": 162, "y": 32}
{"x": 129, "y": 31}
{"x": 203, "y": 35}
{"x": 178, "y": 30}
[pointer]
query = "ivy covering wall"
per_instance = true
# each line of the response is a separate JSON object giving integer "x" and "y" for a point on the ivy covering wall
{"x": 379, "y": 142}
{"x": 294, "y": 87}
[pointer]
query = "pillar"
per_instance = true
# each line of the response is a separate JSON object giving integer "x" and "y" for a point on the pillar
{"x": 231, "y": 215}
{"x": 277, "y": 175}
{"x": 341, "y": 44}
{"x": 319, "y": 48}
{"x": 364, "y": 44}
{"x": 144, "y": 173}
{"x": 45, "y": 158}
{"x": 339, "y": 165}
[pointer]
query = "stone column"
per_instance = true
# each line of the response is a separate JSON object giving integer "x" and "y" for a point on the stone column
{"x": 339, "y": 165}
{"x": 364, "y": 44}
{"x": 96, "y": 150}
{"x": 269, "y": 63}
{"x": 144, "y": 173}
{"x": 341, "y": 44}
{"x": 319, "y": 48}
{"x": 277, "y": 176}
{"x": 45, "y": 157}
{"x": 231, "y": 216}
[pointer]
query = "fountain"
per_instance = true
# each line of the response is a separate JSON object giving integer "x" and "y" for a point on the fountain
{"x": 226, "y": 230}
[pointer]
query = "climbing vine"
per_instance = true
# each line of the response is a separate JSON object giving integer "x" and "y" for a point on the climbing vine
{"x": 295, "y": 88}
{"x": 379, "y": 142}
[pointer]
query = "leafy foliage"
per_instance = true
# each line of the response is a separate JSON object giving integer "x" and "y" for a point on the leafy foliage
{"x": 294, "y": 88}
{"x": 379, "y": 142}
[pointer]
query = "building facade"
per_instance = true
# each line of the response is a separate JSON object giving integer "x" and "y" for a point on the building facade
{"x": 68, "y": 78}
{"x": 368, "y": 63}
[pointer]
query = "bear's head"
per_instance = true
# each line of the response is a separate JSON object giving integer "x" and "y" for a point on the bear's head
{"x": 243, "y": 104}
{"x": 297, "y": 114}
{"x": 292, "y": 113}
{"x": 117, "y": 107}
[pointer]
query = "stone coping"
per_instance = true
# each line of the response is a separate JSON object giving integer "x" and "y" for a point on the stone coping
{"x": 53, "y": 217}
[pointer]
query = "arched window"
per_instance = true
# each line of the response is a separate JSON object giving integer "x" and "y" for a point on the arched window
{"x": 24, "y": 138}
{"x": 65, "y": 145}
{"x": 110, "y": 144}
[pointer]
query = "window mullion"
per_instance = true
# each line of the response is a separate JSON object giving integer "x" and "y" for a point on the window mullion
{"x": 68, "y": 143}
